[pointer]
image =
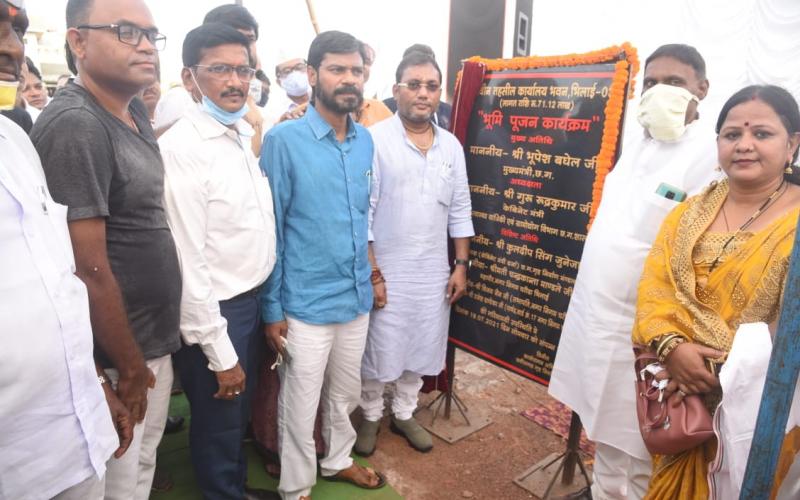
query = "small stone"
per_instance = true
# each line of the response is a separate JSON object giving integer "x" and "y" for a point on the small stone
{"x": 500, "y": 435}
{"x": 518, "y": 390}
{"x": 467, "y": 494}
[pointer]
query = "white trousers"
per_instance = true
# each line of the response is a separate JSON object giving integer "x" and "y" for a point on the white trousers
{"x": 131, "y": 476}
{"x": 324, "y": 368}
{"x": 404, "y": 397}
{"x": 90, "y": 488}
{"x": 619, "y": 476}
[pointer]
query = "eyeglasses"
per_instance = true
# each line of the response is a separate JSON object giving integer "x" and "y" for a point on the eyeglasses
{"x": 130, "y": 34}
{"x": 224, "y": 71}
{"x": 416, "y": 85}
{"x": 284, "y": 72}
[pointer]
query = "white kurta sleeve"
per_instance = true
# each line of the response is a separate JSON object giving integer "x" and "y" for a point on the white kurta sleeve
{"x": 459, "y": 220}
{"x": 186, "y": 201}
{"x": 374, "y": 194}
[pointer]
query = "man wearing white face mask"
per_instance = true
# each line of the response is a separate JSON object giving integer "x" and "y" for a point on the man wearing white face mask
{"x": 219, "y": 208}
{"x": 292, "y": 77}
{"x": 593, "y": 372}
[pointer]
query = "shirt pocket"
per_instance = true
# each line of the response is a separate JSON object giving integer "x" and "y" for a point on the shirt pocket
{"x": 648, "y": 215}
{"x": 445, "y": 187}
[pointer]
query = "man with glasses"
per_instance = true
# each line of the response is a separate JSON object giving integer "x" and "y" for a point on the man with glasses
{"x": 292, "y": 77}
{"x": 419, "y": 195}
{"x": 220, "y": 210}
{"x": 102, "y": 161}
{"x": 317, "y": 300}
{"x": 175, "y": 102}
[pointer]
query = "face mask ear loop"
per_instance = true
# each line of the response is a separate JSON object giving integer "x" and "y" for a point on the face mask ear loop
{"x": 202, "y": 94}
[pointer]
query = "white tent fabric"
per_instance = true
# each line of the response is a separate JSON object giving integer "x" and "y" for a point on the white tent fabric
{"x": 743, "y": 41}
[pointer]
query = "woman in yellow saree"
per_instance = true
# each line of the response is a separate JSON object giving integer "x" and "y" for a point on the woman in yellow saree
{"x": 719, "y": 261}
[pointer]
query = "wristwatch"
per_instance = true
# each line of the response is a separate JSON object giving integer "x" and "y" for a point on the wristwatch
{"x": 463, "y": 262}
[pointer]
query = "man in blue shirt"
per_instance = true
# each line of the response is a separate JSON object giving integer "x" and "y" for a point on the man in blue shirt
{"x": 317, "y": 300}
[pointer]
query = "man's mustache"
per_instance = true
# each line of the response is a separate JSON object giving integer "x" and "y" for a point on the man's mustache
{"x": 235, "y": 92}
{"x": 347, "y": 89}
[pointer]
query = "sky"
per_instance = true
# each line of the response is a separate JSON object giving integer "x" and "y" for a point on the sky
{"x": 286, "y": 30}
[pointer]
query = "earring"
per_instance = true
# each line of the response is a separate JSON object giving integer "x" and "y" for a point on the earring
{"x": 718, "y": 168}
{"x": 788, "y": 169}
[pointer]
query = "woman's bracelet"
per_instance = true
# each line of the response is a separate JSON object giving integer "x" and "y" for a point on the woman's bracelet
{"x": 667, "y": 348}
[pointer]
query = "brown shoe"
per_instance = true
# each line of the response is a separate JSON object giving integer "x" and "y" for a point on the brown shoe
{"x": 362, "y": 477}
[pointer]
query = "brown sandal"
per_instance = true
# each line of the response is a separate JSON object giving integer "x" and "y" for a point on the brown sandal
{"x": 354, "y": 475}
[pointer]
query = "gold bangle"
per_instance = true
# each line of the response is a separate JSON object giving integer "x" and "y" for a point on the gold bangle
{"x": 667, "y": 350}
{"x": 658, "y": 343}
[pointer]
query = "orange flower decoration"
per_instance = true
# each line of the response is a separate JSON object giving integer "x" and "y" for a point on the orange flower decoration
{"x": 626, "y": 68}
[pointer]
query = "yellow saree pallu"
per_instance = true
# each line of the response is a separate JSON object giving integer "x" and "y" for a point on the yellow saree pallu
{"x": 680, "y": 293}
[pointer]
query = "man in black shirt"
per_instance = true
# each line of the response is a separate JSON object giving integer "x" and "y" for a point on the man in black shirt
{"x": 102, "y": 160}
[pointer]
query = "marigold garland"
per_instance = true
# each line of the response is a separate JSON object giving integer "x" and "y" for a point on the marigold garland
{"x": 626, "y": 68}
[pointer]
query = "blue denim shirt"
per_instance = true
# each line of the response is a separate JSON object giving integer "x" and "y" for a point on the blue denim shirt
{"x": 320, "y": 188}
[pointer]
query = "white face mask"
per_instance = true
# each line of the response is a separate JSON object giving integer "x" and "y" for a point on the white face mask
{"x": 296, "y": 84}
{"x": 662, "y": 111}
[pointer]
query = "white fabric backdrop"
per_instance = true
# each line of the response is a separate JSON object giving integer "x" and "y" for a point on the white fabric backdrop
{"x": 742, "y": 41}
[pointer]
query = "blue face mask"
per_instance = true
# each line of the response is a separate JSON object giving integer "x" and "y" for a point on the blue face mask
{"x": 222, "y": 116}
{"x": 226, "y": 118}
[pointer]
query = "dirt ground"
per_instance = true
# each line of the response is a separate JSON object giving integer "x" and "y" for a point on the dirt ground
{"x": 484, "y": 464}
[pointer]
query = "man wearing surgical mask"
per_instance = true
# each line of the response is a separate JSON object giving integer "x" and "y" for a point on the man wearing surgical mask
{"x": 219, "y": 207}
{"x": 292, "y": 77}
{"x": 672, "y": 158}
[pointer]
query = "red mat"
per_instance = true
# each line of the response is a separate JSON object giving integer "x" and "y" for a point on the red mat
{"x": 556, "y": 417}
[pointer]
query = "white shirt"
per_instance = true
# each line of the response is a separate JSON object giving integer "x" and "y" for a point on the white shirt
{"x": 593, "y": 371}
{"x": 415, "y": 201}
{"x": 172, "y": 106}
{"x": 219, "y": 207}
{"x": 55, "y": 426}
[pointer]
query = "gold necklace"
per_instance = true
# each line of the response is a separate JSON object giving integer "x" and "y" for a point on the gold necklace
{"x": 411, "y": 133}
{"x": 763, "y": 208}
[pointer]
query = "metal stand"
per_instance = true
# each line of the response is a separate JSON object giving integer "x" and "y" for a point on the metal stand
{"x": 533, "y": 477}
{"x": 447, "y": 429}
{"x": 449, "y": 396}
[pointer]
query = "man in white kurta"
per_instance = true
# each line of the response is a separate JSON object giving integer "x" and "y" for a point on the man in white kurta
{"x": 593, "y": 371}
{"x": 419, "y": 196}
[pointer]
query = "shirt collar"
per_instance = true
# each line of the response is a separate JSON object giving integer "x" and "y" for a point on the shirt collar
{"x": 321, "y": 128}
{"x": 209, "y": 128}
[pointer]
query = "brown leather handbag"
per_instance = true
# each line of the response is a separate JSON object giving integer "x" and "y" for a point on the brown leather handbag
{"x": 667, "y": 429}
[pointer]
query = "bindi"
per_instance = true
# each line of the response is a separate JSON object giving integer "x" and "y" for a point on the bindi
{"x": 746, "y": 124}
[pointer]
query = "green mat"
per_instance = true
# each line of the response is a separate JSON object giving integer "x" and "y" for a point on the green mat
{"x": 173, "y": 456}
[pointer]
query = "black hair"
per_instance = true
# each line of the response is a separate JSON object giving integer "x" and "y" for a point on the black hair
{"x": 366, "y": 49}
{"x": 777, "y": 98}
{"x": 419, "y": 48}
{"x": 208, "y": 36}
{"x": 78, "y": 12}
{"x": 32, "y": 68}
{"x": 684, "y": 53}
{"x": 333, "y": 42}
{"x": 263, "y": 77}
{"x": 234, "y": 16}
{"x": 416, "y": 59}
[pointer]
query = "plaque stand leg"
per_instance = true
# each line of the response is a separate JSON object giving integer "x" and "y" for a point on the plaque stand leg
{"x": 448, "y": 429}
{"x": 541, "y": 480}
